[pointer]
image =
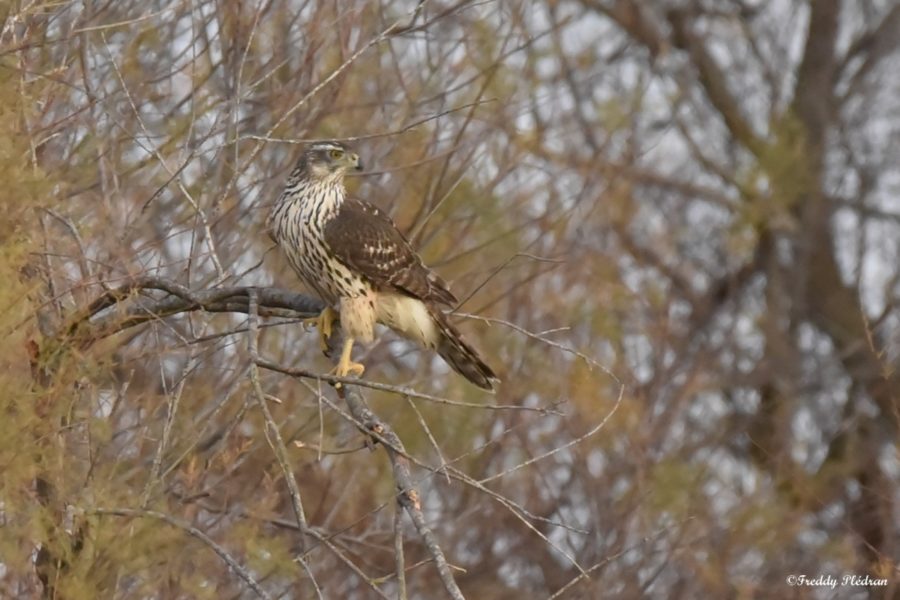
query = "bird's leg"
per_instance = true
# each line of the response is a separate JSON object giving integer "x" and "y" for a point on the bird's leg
{"x": 324, "y": 323}
{"x": 346, "y": 366}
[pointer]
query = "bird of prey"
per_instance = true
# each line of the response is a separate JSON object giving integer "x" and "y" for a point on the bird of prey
{"x": 355, "y": 259}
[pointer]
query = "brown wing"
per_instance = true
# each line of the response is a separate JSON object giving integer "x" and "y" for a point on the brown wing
{"x": 366, "y": 240}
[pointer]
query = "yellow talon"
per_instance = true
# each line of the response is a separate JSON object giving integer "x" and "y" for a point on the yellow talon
{"x": 346, "y": 366}
{"x": 325, "y": 324}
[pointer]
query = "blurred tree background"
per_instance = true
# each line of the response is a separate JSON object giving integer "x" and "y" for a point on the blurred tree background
{"x": 674, "y": 225}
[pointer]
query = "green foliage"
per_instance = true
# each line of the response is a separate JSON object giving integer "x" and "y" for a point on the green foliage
{"x": 23, "y": 429}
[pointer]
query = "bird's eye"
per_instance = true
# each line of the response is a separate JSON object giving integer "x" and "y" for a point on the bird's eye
{"x": 336, "y": 154}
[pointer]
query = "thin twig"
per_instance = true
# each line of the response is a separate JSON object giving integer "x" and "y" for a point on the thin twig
{"x": 357, "y": 138}
{"x": 571, "y": 443}
{"x": 233, "y": 564}
{"x": 591, "y": 363}
{"x": 431, "y": 440}
{"x": 518, "y": 512}
{"x": 312, "y": 579}
{"x": 210, "y": 241}
{"x": 273, "y": 435}
{"x": 398, "y": 552}
{"x": 586, "y": 574}
{"x": 174, "y": 401}
{"x": 402, "y": 391}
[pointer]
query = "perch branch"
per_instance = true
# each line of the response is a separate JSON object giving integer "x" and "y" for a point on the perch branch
{"x": 276, "y": 442}
{"x": 407, "y": 494}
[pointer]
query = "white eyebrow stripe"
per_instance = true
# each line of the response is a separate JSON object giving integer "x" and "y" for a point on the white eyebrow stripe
{"x": 327, "y": 146}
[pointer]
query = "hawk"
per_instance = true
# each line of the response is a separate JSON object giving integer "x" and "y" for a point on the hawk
{"x": 355, "y": 259}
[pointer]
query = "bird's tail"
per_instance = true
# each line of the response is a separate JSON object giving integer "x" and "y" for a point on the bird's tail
{"x": 462, "y": 357}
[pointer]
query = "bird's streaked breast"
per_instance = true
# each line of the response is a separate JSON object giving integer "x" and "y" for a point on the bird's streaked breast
{"x": 298, "y": 225}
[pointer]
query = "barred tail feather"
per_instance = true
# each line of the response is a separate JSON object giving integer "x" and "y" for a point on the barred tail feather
{"x": 462, "y": 357}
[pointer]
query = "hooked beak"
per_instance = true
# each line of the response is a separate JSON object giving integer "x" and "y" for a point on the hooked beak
{"x": 356, "y": 162}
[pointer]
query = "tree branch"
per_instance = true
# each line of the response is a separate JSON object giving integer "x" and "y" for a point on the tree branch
{"x": 714, "y": 82}
{"x": 273, "y": 436}
{"x": 96, "y": 321}
{"x": 407, "y": 494}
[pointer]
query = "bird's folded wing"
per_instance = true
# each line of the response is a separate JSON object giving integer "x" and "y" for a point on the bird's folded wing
{"x": 366, "y": 241}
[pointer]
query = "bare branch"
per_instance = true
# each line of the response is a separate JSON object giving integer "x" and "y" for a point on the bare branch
{"x": 407, "y": 494}
{"x": 273, "y": 435}
{"x": 233, "y": 564}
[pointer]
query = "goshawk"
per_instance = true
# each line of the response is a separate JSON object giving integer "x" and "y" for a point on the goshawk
{"x": 354, "y": 258}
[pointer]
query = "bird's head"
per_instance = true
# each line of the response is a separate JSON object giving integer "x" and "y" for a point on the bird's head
{"x": 327, "y": 161}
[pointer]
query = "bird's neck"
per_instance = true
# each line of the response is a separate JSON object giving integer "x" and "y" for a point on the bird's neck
{"x": 325, "y": 199}
{"x": 323, "y": 195}
{"x": 306, "y": 200}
